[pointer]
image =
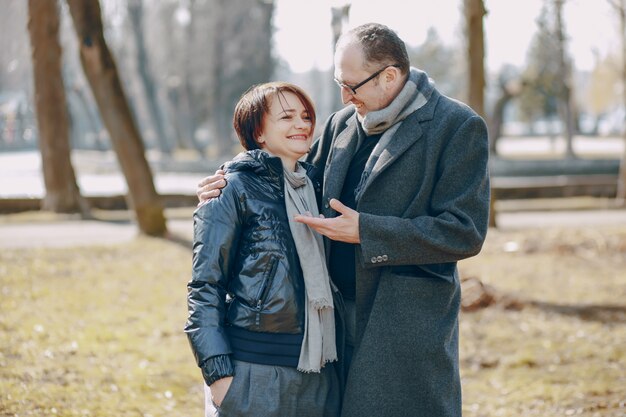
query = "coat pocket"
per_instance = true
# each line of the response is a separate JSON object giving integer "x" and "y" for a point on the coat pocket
{"x": 444, "y": 271}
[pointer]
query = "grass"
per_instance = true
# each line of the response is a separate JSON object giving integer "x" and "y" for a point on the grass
{"x": 97, "y": 331}
{"x": 560, "y": 347}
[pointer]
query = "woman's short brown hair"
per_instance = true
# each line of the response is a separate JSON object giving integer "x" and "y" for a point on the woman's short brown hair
{"x": 255, "y": 103}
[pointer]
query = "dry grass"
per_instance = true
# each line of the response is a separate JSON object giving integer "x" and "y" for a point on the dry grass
{"x": 560, "y": 349}
{"x": 98, "y": 331}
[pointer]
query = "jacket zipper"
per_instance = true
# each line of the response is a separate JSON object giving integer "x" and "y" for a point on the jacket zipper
{"x": 265, "y": 288}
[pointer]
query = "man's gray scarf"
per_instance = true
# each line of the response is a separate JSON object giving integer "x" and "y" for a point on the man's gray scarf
{"x": 414, "y": 95}
{"x": 318, "y": 346}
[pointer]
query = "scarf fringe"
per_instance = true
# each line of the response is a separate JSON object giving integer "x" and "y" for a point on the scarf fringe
{"x": 317, "y": 371}
{"x": 321, "y": 304}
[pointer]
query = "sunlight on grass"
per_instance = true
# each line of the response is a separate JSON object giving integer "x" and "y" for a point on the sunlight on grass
{"x": 564, "y": 351}
{"x": 98, "y": 331}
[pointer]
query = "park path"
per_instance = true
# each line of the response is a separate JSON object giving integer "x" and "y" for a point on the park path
{"x": 68, "y": 233}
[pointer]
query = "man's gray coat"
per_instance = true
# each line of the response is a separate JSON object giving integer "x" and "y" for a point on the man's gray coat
{"x": 425, "y": 207}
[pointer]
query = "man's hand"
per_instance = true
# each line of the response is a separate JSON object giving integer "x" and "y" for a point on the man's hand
{"x": 344, "y": 228}
{"x": 210, "y": 187}
{"x": 219, "y": 389}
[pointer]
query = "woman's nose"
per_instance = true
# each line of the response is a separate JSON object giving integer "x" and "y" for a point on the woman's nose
{"x": 302, "y": 124}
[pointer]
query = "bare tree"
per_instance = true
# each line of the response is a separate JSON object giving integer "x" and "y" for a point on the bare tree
{"x": 104, "y": 80}
{"x": 243, "y": 33}
{"x": 340, "y": 16}
{"x": 565, "y": 85}
{"x": 178, "y": 32}
{"x": 443, "y": 63}
{"x": 620, "y": 8}
{"x": 62, "y": 192}
{"x": 474, "y": 14}
{"x": 509, "y": 89}
{"x": 135, "y": 13}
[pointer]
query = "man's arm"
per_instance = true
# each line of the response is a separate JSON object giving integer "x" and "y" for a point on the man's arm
{"x": 343, "y": 228}
{"x": 456, "y": 228}
{"x": 456, "y": 225}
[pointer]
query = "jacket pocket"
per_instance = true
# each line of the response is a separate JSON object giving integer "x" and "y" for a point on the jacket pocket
{"x": 268, "y": 277}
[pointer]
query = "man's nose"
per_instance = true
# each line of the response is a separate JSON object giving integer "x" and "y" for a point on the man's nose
{"x": 346, "y": 95}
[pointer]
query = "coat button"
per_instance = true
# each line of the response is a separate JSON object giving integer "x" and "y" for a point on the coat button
{"x": 385, "y": 258}
{"x": 379, "y": 259}
{"x": 373, "y": 259}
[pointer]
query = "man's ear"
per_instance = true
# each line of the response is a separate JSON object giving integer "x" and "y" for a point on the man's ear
{"x": 392, "y": 75}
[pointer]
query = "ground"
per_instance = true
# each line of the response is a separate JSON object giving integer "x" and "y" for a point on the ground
{"x": 97, "y": 330}
{"x": 554, "y": 341}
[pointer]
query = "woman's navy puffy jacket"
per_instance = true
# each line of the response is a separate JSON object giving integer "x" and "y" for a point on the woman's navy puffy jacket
{"x": 246, "y": 271}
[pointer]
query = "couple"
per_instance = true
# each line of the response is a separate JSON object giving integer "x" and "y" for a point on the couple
{"x": 400, "y": 179}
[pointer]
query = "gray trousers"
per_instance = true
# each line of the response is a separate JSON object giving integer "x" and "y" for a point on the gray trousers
{"x": 278, "y": 391}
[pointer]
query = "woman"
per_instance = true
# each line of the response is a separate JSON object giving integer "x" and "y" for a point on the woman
{"x": 261, "y": 322}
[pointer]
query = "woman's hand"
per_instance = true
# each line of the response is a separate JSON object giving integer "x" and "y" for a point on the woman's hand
{"x": 219, "y": 389}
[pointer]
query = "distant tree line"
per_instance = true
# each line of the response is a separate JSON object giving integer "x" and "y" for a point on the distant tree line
{"x": 166, "y": 75}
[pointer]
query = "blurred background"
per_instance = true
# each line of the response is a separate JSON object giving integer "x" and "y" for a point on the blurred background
{"x": 547, "y": 76}
{"x": 111, "y": 111}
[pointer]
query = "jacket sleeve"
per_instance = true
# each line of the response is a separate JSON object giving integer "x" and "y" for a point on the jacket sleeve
{"x": 217, "y": 226}
{"x": 459, "y": 209}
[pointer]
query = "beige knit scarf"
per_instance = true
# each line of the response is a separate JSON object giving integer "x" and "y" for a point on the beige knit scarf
{"x": 318, "y": 345}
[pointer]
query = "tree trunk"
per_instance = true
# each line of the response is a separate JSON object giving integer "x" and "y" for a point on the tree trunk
{"x": 474, "y": 14}
{"x": 104, "y": 80}
{"x": 497, "y": 119}
{"x": 135, "y": 13}
{"x": 180, "y": 94}
{"x": 243, "y": 33}
{"x": 338, "y": 22}
{"x": 620, "y": 7}
{"x": 565, "y": 91}
{"x": 62, "y": 192}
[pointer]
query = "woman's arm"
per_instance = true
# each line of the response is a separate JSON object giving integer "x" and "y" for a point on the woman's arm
{"x": 217, "y": 226}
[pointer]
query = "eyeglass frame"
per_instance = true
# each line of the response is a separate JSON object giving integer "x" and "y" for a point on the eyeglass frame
{"x": 353, "y": 88}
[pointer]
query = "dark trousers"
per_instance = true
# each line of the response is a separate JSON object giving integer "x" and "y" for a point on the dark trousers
{"x": 350, "y": 317}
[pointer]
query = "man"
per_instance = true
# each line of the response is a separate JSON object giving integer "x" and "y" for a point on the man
{"x": 405, "y": 196}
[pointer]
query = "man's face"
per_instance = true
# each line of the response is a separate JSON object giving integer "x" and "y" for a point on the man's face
{"x": 350, "y": 71}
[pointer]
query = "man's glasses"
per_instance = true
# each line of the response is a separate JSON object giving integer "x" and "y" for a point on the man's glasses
{"x": 353, "y": 88}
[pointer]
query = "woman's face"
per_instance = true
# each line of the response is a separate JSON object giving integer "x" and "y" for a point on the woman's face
{"x": 287, "y": 128}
